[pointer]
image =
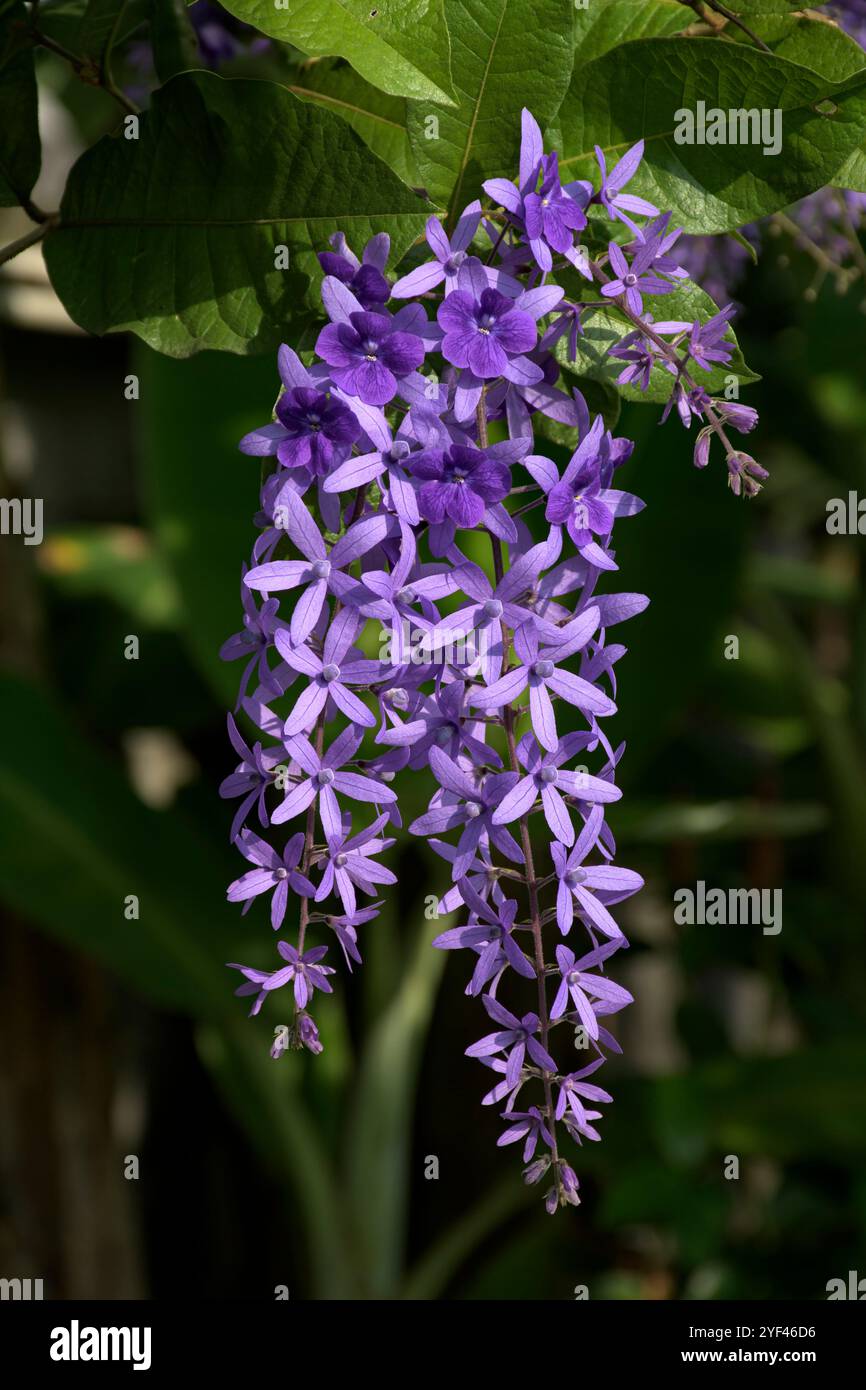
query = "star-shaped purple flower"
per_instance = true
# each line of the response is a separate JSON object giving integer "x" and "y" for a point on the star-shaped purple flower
{"x": 579, "y": 983}
{"x": 588, "y": 884}
{"x": 274, "y": 872}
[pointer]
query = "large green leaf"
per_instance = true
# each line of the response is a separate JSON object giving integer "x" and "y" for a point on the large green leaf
{"x": 604, "y": 327}
{"x": 809, "y": 41}
{"x": 635, "y": 91}
{"x": 199, "y": 492}
{"x": 173, "y": 235}
{"x": 20, "y": 153}
{"x": 77, "y": 842}
{"x": 599, "y": 28}
{"x": 379, "y": 119}
{"x": 382, "y": 1114}
{"x": 506, "y": 54}
{"x": 89, "y": 28}
{"x": 401, "y": 46}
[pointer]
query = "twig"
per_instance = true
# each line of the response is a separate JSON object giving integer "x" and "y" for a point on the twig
{"x": 729, "y": 16}
{"x": 29, "y": 239}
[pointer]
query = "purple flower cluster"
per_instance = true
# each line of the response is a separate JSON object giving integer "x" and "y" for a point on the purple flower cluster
{"x": 409, "y": 513}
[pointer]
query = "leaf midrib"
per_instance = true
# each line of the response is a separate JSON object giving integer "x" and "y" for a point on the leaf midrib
{"x": 474, "y": 121}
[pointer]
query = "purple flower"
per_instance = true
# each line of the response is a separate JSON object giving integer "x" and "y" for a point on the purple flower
{"x": 585, "y": 506}
{"x": 303, "y": 971}
{"x": 514, "y": 1036}
{"x": 528, "y": 1125}
{"x": 706, "y": 344}
{"x": 546, "y": 778}
{"x": 574, "y": 1090}
{"x": 444, "y": 722}
{"x": 488, "y": 333}
{"x": 492, "y": 938}
{"x": 540, "y": 671}
{"x": 586, "y": 884}
{"x": 553, "y": 215}
{"x": 320, "y": 571}
{"x": 549, "y": 215}
{"x": 255, "y": 641}
{"x": 368, "y": 355}
{"x": 630, "y": 280}
{"x": 470, "y": 804}
{"x": 450, "y": 255}
{"x": 579, "y": 983}
{"x": 349, "y": 864}
{"x": 459, "y": 484}
{"x": 323, "y": 779}
{"x": 365, "y": 278}
{"x": 616, "y": 203}
{"x": 329, "y": 675}
{"x": 275, "y": 873}
{"x": 250, "y": 780}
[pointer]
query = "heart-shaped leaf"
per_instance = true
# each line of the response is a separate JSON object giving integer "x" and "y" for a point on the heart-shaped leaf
{"x": 177, "y": 235}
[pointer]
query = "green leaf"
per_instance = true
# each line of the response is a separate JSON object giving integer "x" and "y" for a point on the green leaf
{"x": 809, "y": 41}
{"x": 64, "y": 805}
{"x": 634, "y": 92}
{"x": 172, "y": 38}
{"x": 90, "y": 28}
{"x": 266, "y": 1100}
{"x": 378, "y": 1179}
{"x": 379, "y": 119}
{"x": 599, "y": 28}
{"x": 506, "y": 54}
{"x": 604, "y": 327}
{"x": 20, "y": 150}
{"x": 173, "y": 235}
{"x": 401, "y": 46}
{"x": 203, "y": 532}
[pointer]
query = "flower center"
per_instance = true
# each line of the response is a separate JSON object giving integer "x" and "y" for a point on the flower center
{"x": 543, "y": 668}
{"x": 574, "y": 877}
{"x": 330, "y": 673}
{"x": 454, "y": 262}
{"x": 493, "y": 608}
{"x": 341, "y": 860}
{"x": 629, "y": 280}
{"x": 397, "y": 697}
{"x": 325, "y": 777}
{"x": 445, "y": 735}
{"x": 321, "y": 569}
{"x": 406, "y": 595}
{"x": 473, "y": 809}
{"x": 281, "y": 873}
{"x": 398, "y": 451}
{"x": 549, "y": 775}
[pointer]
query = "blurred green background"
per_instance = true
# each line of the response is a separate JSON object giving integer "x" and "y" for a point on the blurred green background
{"x": 121, "y": 1038}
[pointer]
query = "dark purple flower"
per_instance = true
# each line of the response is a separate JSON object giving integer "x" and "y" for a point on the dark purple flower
{"x": 368, "y": 356}
{"x": 459, "y": 484}
{"x": 365, "y": 278}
